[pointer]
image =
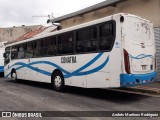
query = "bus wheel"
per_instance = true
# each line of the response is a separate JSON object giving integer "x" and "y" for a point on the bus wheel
{"x": 14, "y": 76}
{"x": 58, "y": 81}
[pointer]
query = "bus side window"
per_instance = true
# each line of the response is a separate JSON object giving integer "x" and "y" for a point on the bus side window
{"x": 106, "y": 36}
{"x": 86, "y": 39}
{"x": 39, "y": 48}
{"x": 65, "y": 43}
{"x": 21, "y": 52}
{"x": 50, "y": 46}
{"x": 14, "y": 52}
{"x": 29, "y": 50}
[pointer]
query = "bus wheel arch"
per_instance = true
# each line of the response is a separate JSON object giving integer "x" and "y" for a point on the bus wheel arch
{"x": 57, "y": 80}
{"x": 14, "y": 75}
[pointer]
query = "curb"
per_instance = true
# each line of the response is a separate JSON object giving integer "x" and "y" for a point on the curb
{"x": 141, "y": 89}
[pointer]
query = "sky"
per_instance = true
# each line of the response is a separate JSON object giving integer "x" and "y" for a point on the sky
{"x": 30, "y": 12}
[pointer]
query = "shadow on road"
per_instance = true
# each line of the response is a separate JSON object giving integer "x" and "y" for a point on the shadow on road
{"x": 103, "y": 94}
{"x": 33, "y": 83}
{"x": 107, "y": 94}
{"x": 1, "y": 74}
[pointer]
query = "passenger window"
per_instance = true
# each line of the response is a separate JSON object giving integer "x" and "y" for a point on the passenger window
{"x": 14, "y": 52}
{"x": 20, "y": 51}
{"x": 50, "y": 46}
{"x": 86, "y": 40}
{"x": 65, "y": 43}
{"x": 106, "y": 36}
{"x": 39, "y": 48}
{"x": 29, "y": 50}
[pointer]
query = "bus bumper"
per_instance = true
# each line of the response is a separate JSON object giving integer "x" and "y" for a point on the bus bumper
{"x": 127, "y": 80}
{"x": 1, "y": 69}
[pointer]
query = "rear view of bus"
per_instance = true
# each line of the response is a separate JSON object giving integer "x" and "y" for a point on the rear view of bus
{"x": 139, "y": 62}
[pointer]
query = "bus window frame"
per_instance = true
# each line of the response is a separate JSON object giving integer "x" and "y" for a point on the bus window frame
{"x": 74, "y": 41}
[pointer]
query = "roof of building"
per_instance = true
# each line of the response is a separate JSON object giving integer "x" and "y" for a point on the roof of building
{"x": 34, "y": 33}
{"x": 88, "y": 9}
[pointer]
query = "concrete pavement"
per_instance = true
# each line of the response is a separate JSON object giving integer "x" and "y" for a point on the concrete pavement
{"x": 152, "y": 88}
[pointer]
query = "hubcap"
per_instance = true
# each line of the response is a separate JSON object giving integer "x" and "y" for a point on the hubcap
{"x": 14, "y": 76}
{"x": 57, "y": 81}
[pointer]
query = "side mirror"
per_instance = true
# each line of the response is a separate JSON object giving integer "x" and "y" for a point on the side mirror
{"x": 4, "y": 55}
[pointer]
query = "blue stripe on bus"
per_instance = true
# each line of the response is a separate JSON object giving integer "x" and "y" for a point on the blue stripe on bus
{"x": 141, "y": 56}
{"x": 68, "y": 74}
{"x": 90, "y": 71}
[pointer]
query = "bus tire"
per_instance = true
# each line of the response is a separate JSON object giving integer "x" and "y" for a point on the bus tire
{"x": 14, "y": 76}
{"x": 58, "y": 81}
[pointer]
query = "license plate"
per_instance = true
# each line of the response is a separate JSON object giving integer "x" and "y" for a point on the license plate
{"x": 144, "y": 67}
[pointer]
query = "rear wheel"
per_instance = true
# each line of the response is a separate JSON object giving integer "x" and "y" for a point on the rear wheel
{"x": 14, "y": 76}
{"x": 58, "y": 81}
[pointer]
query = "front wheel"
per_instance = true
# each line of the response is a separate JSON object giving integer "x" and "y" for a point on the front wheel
{"x": 58, "y": 81}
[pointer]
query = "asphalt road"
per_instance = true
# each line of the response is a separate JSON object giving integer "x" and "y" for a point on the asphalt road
{"x": 35, "y": 96}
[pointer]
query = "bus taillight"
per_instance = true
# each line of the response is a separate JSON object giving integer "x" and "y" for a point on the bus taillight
{"x": 126, "y": 62}
{"x": 155, "y": 64}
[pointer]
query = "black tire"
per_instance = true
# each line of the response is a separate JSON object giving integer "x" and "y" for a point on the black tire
{"x": 14, "y": 76}
{"x": 58, "y": 81}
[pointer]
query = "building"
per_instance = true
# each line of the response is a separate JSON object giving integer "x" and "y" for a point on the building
{"x": 12, "y": 33}
{"x": 148, "y": 9}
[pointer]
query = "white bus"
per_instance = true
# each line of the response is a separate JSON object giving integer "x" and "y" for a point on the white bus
{"x": 2, "y": 50}
{"x": 114, "y": 51}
